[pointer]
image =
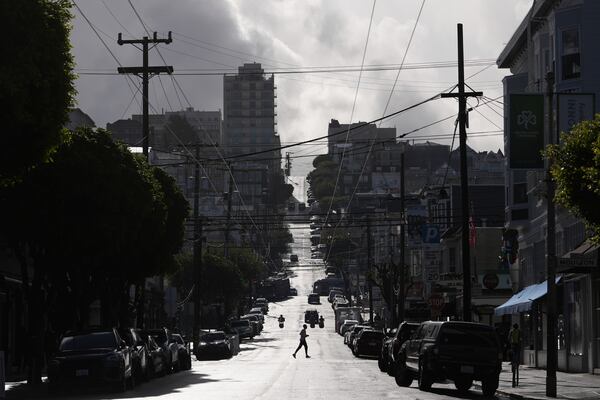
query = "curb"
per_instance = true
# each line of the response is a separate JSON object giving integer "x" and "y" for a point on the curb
{"x": 513, "y": 395}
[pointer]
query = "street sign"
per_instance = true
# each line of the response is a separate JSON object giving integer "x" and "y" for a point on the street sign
{"x": 436, "y": 302}
{"x": 566, "y": 263}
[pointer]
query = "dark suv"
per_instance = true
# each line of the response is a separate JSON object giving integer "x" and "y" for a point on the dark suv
{"x": 458, "y": 351}
{"x": 389, "y": 355}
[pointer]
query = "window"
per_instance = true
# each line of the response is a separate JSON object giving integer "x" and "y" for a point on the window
{"x": 520, "y": 193}
{"x": 570, "y": 59}
{"x": 452, "y": 259}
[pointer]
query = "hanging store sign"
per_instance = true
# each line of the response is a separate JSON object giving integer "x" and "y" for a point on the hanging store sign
{"x": 572, "y": 108}
{"x": 526, "y": 131}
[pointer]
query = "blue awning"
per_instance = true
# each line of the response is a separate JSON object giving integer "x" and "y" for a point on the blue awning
{"x": 522, "y": 301}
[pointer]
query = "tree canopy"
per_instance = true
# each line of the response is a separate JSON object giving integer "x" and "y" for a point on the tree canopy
{"x": 576, "y": 170}
{"x": 97, "y": 218}
{"x": 36, "y": 82}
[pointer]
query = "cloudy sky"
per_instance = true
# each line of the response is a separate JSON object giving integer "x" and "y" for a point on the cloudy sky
{"x": 223, "y": 34}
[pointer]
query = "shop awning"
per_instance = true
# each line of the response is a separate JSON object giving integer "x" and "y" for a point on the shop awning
{"x": 522, "y": 301}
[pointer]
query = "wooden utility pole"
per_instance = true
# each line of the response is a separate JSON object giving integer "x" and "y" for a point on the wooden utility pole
{"x": 229, "y": 199}
{"x": 197, "y": 257}
{"x": 552, "y": 350}
{"x": 144, "y": 72}
{"x": 369, "y": 268}
{"x": 402, "y": 279}
{"x": 464, "y": 178}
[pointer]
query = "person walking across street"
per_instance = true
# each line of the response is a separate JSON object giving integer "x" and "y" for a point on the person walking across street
{"x": 303, "y": 336}
{"x": 514, "y": 339}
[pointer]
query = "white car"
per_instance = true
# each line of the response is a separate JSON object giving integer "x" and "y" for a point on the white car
{"x": 258, "y": 312}
{"x": 347, "y": 324}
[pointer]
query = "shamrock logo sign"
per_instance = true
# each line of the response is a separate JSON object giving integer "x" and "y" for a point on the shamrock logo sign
{"x": 526, "y": 118}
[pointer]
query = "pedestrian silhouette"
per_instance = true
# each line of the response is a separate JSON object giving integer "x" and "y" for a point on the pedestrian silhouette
{"x": 303, "y": 337}
{"x": 514, "y": 338}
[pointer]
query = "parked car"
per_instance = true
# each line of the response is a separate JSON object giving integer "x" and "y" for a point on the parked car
{"x": 162, "y": 337}
{"x": 314, "y": 298}
{"x": 139, "y": 353}
{"x": 213, "y": 344}
{"x": 458, "y": 351}
{"x": 347, "y": 324}
{"x": 258, "y": 312}
{"x": 313, "y": 249}
{"x": 243, "y": 328}
{"x": 340, "y": 302}
{"x": 315, "y": 255}
{"x": 255, "y": 321}
{"x": 333, "y": 293}
{"x": 157, "y": 357}
{"x": 293, "y": 292}
{"x": 88, "y": 357}
{"x": 351, "y": 334}
{"x": 404, "y": 332}
{"x": 311, "y": 316}
{"x": 383, "y": 360}
{"x": 261, "y": 303}
{"x": 184, "y": 356}
{"x": 368, "y": 343}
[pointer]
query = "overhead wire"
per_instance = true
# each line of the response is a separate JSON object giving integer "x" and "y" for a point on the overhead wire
{"x": 384, "y": 112}
{"x": 341, "y": 163}
{"x": 259, "y": 232}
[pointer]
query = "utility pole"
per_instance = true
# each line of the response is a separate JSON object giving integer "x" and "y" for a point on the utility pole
{"x": 394, "y": 276}
{"x": 464, "y": 179}
{"x": 369, "y": 285}
{"x": 197, "y": 258}
{"x": 229, "y": 198}
{"x": 402, "y": 282}
{"x": 552, "y": 351}
{"x": 144, "y": 72}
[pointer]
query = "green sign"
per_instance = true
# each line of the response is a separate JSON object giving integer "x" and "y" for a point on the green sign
{"x": 526, "y": 131}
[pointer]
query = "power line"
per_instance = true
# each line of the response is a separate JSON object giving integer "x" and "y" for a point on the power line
{"x": 337, "y": 179}
{"x": 384, "y": 111}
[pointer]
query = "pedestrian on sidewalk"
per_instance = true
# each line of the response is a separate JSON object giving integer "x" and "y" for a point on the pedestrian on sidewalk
{"x": 514, "y": 339}
{"x": 303, "y": 336}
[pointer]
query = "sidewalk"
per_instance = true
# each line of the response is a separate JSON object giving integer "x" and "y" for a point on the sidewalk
{"x": 532, "y": 384}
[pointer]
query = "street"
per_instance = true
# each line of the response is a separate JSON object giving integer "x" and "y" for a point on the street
{"x": 265, "y": 369}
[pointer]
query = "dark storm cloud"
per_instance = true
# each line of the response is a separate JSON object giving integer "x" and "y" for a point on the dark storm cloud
{"x": 308, "y": 33}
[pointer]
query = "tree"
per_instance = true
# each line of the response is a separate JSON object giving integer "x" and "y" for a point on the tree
{"x": 249, "y": 264}
{"x": 576, "y": 170}
{"x": 222, "y": 281}
{"x": 36, "y": 82}
{"x": 341, "y": 249}
{"x": 94, "y": 220}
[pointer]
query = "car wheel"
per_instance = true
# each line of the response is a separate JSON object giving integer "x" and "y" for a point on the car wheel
{"x": 403, "y": 376}
{"x": 381, "y": 364}
{"x": 489, "y": 386}
{"x": 425, "y": 380}
{"x": 132, "y": 380}
{"x": 463, "y": 384}
{"x": 121, "y": 386}
{"x": 391, "y": 368}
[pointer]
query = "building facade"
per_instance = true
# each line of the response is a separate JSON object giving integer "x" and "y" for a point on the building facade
{"x": 559, "y": 37}
{"x": 250, "y": 126}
